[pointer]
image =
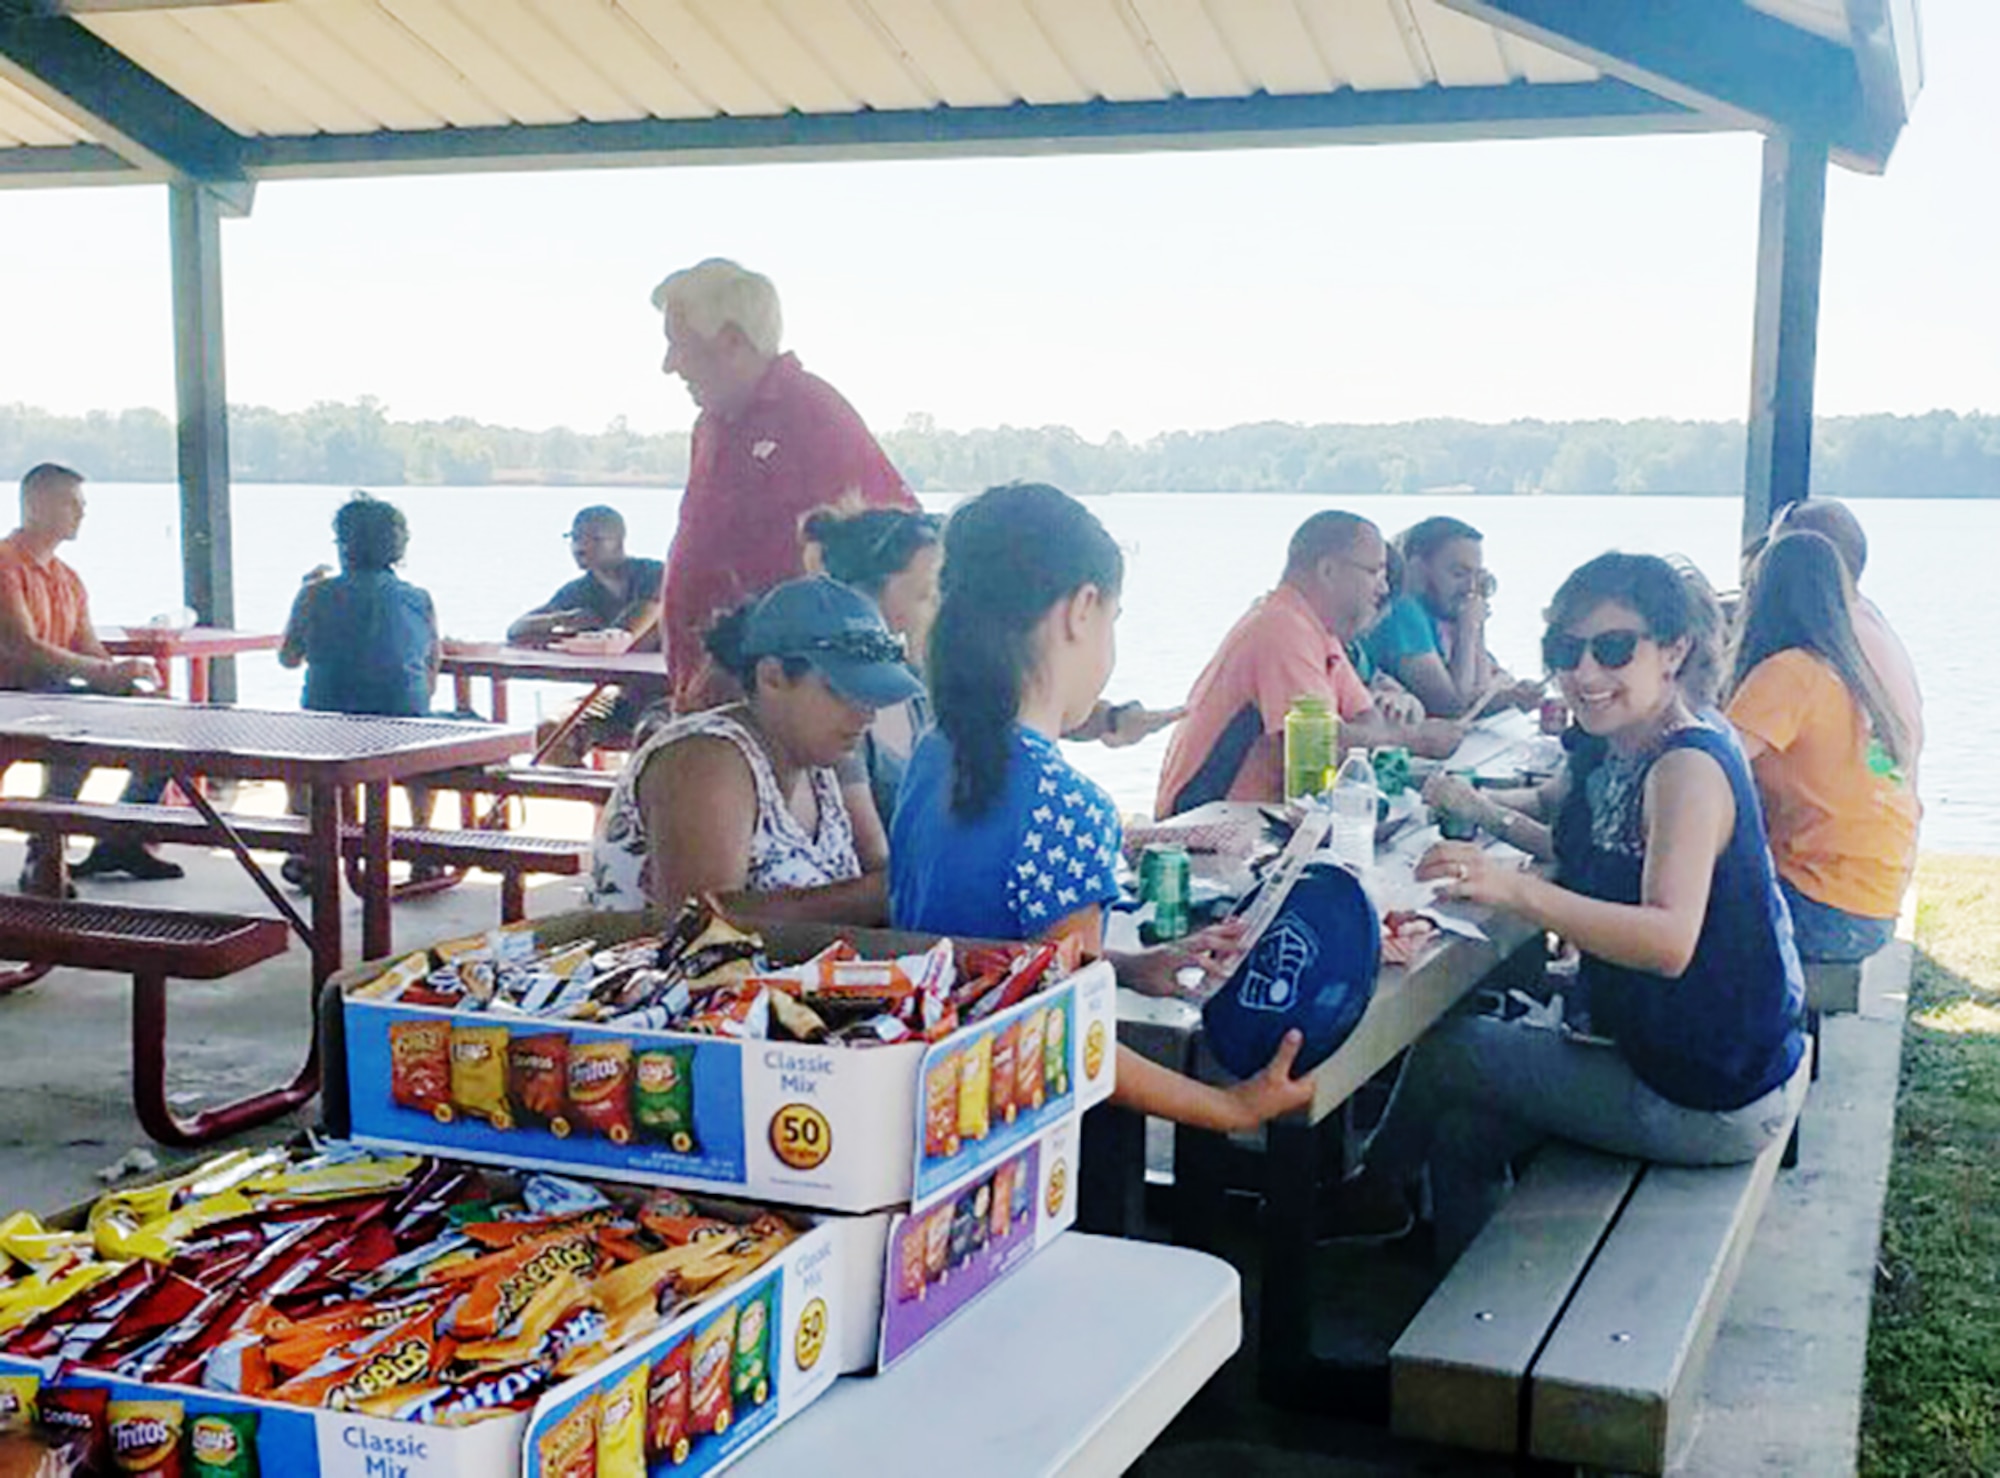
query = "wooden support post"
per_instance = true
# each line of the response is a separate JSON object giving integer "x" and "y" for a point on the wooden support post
{"x": 203, "y": 416}
{"x": 1790, "y": 224}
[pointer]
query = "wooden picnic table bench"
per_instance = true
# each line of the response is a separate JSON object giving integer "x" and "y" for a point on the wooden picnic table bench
{"x": 1575, "y": 1327}
{"x": 154, "y": 946}
{"x": 512, "y": 855}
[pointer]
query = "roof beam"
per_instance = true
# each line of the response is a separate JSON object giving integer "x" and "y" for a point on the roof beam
{"x": 63, "y": 164}
{"x": 1344, "y": 117}
{"x": 68, "y": 68}
{"x": 1716, "y": 55}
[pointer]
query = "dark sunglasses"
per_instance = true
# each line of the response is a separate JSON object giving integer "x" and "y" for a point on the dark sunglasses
{"x": 862, "y": 646}
{"x": 1561, "y": 652}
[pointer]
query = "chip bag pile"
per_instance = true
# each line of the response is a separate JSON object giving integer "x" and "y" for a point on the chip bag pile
{"x": 394, "y": 1286}
{"x": 704, "y": 975}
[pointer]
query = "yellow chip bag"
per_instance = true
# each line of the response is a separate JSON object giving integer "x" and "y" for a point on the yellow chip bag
{"x": 975, "y": 1089}
{"x": 17, "y": 1401}
{"x": 479, "y": 1074}
{"x": 621, "y": 1427}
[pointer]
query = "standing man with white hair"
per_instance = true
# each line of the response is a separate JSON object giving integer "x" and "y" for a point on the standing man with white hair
{"x": 772, "y": 444}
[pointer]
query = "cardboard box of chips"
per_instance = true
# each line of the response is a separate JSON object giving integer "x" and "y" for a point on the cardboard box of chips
{"x": 832, "y": 1125}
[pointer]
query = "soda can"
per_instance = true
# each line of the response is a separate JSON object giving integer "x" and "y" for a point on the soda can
{"x": 1555, "y": 716}
{"x": 1392, "y": 769}
{"x": 1165, "y": 880}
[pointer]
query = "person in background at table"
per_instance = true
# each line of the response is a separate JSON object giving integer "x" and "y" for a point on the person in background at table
{"x": 1396, "y": 702}
{"x": 1291, "y": 644}
{"x": 772, "y": 443}
{"x": 995, "y": 835}
{"x": 368, "y": 639}
{"x": 746, "y": 799}
{"x": 1665, "y": 886}
{"x": 1886, "y": 654}
{"x": 893, "y": 557}
{"x": 1432, "y": 639}
{"x": 616, "y": 591}
{"x": 48, "y": 644}
{"x": 1828, "y": 749}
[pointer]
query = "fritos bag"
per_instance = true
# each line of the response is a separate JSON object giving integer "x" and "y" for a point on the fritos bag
{"x": 600, "y": 1086}
{"x": 709, "y": 1408}
{"x": 146, "y": 1436}
{"x": 420, "y": 1066}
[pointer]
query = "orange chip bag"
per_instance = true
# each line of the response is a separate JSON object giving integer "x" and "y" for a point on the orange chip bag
{"x": 420, "y": 1065}
{"x": 1003, "y": 1073}
{"x": 511, "y": 1279}
{"x": 910, "y": 1278}
{"x": 479, "y": 1074}
{"x": 941, "y": 1093}
{"x": 975, "y": 1077}
{"x": 937, "y": 1242}
{"x": 538, "y": 1079}
{"x": 621, "y": 1427}
{"x": 1028, "y": 1062}
{"x": 569, "y": 1448}
{"x": 600, "y": 1086}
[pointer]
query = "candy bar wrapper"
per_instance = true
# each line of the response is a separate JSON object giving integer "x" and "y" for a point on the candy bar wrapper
{"x": 392, "y": 982}
{"x": 569, "y": 1448}
{"x": 600, "y": 1087}
{"x": 667, "y": 1404}
{"x": 479, "y": 1074}
{"x": 793, "y": 1018}
{"x": 146, "y": 1436}
{"x": 743, "y": 1014}
{"x": 621, "y": 1427}
{"x": 222, "y": 1445}
{"x": 694, "y": 919}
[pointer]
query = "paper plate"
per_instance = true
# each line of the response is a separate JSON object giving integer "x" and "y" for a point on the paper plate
{"x": 1314, "y": 969}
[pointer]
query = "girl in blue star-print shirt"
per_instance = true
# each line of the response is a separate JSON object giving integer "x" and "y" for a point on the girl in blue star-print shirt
{"x": 995, "y": 835}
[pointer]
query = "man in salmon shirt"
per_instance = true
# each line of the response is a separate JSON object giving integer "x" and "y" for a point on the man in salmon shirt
{"x": 771, "y": 445}
{"x": 1291, "y": 644}
{"x": 47, "y": 644}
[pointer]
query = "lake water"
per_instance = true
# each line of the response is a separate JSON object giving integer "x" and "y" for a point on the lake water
{"x": 1195, "y": 561}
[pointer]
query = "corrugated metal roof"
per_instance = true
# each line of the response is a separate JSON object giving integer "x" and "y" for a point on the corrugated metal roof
{"x": 290, "y": 68}
{"x": 26, "y": 122}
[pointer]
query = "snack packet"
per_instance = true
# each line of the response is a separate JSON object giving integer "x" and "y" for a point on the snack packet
{"x": 146, "y": 1436}
{"x": 750, "y": 1366}
{"x": 569, "y": 1448}
{"x": 1002, "y": 1078}
{"x": 667, "y": 1414}
{"x": 538, "y": 1079}
{"x": 1028, "y": 1055}
{"x": 479, "y": 1074}
{"x": 18, "y": 1411}
{"x": 663, "y": 1097}
{"x": 910, "y": 1277}
{"x": 1055, "y": 1050}
{"x": 709, "y": 1407}
{"x": 975, "y": 1077}
{"x": 222, "y": 1445}
{"x": 621, "y": 1427}
{"x": 941, "y": 1093}
{"x": 420, "y": 1066}
{"x": 937, "y": 1243}
{"x": 600, "y": 1086}
{"x": 79, "y": 1414}
{"x": 744, "y": 1014}
{"x": 1000, "y": 1216}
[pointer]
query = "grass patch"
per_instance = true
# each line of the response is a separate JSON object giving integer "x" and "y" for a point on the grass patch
{"x": 1932, "y": 1405}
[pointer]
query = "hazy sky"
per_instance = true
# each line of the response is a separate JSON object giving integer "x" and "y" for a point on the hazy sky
{"x": 1553, "y": 279}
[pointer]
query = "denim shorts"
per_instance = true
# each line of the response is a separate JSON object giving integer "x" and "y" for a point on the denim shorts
{"x": 1828, "y": 935}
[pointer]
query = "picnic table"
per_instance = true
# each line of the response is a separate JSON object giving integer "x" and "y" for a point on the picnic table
{"x": 198, "y": 646}
{"x": 1087, "y": 1353}
{"x": 501, "y": 664}
{"x": 326, "y": 752}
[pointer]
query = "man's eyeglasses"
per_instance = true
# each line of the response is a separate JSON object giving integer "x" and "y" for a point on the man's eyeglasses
{"x": 1561, "y": 652}
{"x": 862, "y": 646}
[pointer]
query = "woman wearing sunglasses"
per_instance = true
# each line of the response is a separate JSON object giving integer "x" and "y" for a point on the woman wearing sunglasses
{"x": 996, "y": 836}
{"x": 1828, "y": 750}
{"x": 1665, "y": 887}
{"x": 745, "y": 798}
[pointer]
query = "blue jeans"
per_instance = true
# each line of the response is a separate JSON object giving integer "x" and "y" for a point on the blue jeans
{"x": 1832, "y": 936}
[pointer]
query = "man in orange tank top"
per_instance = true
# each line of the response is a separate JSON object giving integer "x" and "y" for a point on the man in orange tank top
{"x": 47, "y": 643}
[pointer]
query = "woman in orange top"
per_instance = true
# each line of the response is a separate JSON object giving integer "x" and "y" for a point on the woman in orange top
{"x": 1828, "y": 752}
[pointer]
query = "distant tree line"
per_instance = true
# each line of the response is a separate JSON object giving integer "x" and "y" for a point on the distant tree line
{"x": 1936, "y": 455}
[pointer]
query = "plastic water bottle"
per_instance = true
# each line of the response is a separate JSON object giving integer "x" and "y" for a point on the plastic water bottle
{"x": 1353, "y": 800}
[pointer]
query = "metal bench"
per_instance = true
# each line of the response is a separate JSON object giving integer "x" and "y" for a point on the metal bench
{"x": 153, "y": 946}
{"x": 1575, "y": 1328}
{"x": 512, "y": 855}
{"x": 536, "y": 782}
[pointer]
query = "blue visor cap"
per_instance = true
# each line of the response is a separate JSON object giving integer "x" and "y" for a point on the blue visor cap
{"x": 1314, "y": 969}
{"x": 840, "y": 633}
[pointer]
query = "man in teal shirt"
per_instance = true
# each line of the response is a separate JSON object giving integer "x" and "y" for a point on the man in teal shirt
{"x": 1432, "y": 639}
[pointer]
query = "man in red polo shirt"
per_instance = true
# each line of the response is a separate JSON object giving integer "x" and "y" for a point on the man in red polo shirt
{"x": 771, "y": 445}
{"x": 1291, "y": 644}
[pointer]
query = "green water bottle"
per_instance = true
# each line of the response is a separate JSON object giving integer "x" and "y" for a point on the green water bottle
{"x": 1311, "y": 734}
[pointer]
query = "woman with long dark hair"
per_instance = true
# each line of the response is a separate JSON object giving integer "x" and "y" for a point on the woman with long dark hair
{"x": 1664, "y": 885}
{"x": 1828, "y": 750}
{"x": 995, "y": 835}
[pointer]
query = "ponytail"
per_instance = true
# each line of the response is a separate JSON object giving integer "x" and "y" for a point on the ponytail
{"x": 868, "y": 549}
{"x": 1010, "y": 554}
